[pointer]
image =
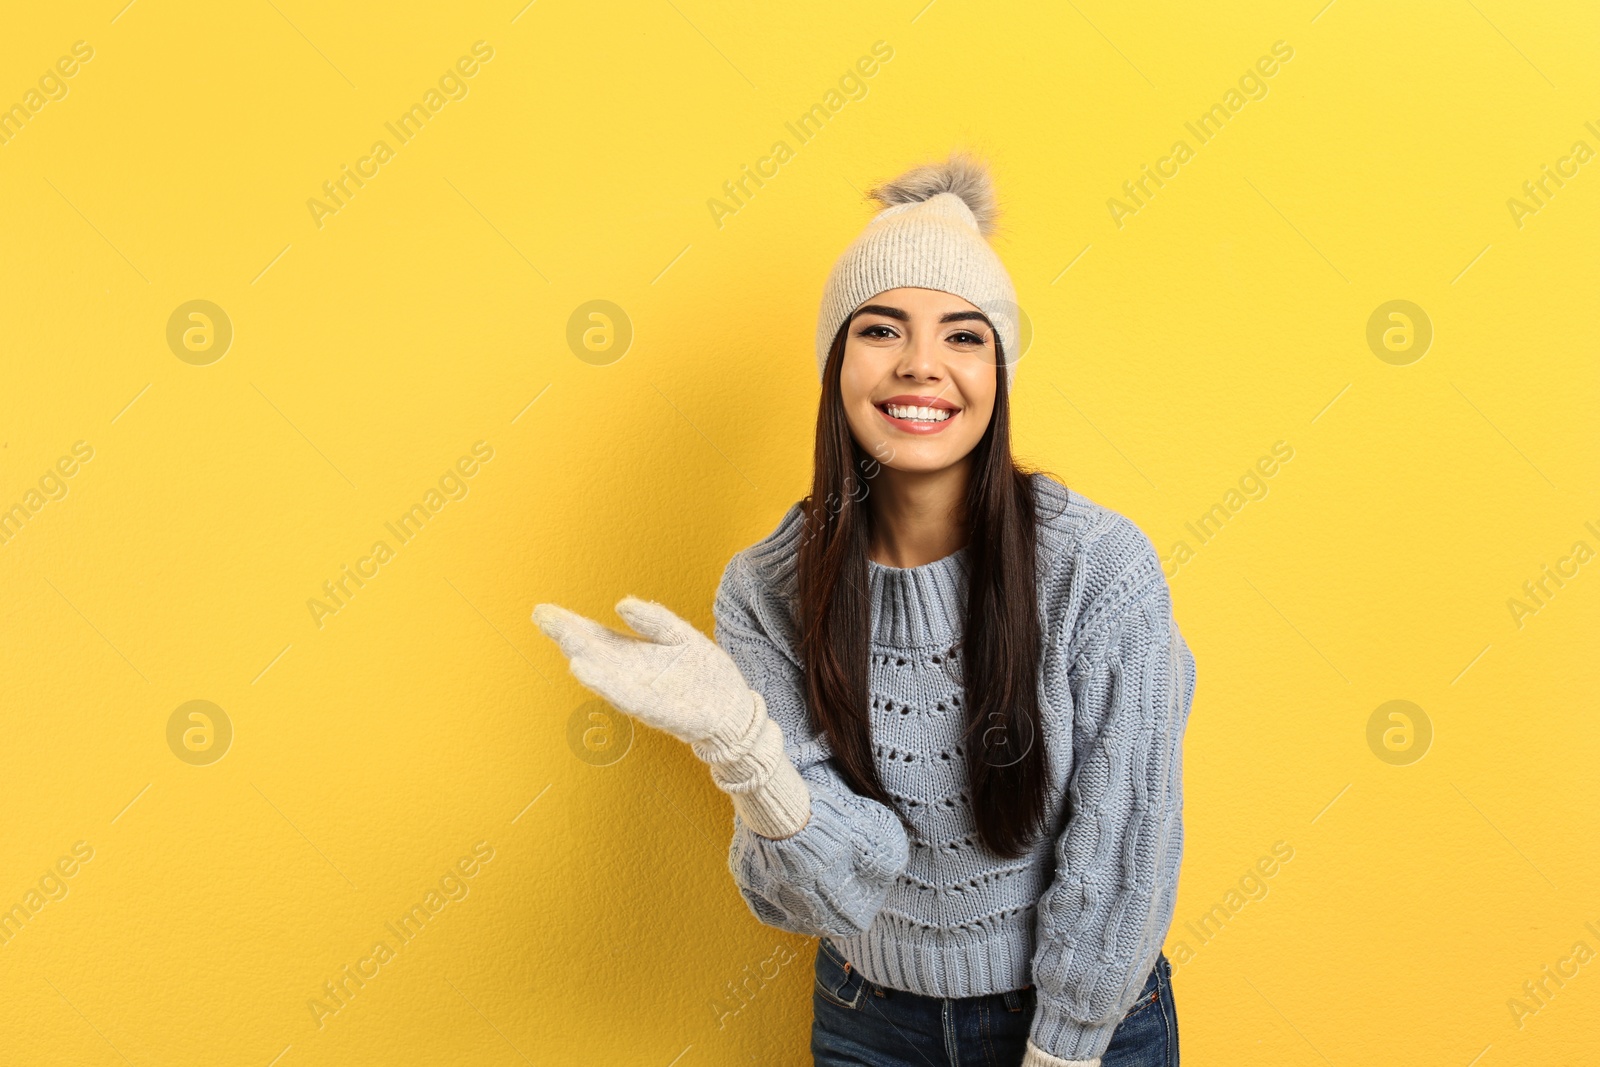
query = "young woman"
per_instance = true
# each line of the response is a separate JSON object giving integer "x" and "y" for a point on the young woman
{"x": 946, "y": 695}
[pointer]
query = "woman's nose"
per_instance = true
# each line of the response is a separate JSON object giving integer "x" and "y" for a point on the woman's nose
{"x": 921, "y": 360}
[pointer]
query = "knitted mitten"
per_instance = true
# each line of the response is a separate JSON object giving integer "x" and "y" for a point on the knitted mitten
{"x": 679, "y": 681}
{"x": 1038, "y": 1057}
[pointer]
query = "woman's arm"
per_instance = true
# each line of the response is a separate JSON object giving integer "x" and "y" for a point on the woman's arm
{"x": 1102, "y": 919}
{"x": 831, "y": 877}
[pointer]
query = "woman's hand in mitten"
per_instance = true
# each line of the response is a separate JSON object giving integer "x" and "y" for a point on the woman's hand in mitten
{"x": 676, "y": 680}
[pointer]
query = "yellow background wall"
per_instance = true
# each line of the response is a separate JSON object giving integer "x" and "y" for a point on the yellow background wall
{"x": 374, "y": 747}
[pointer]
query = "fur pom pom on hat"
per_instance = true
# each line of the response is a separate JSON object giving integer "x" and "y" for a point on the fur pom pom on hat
{"x": 932, "y": 233}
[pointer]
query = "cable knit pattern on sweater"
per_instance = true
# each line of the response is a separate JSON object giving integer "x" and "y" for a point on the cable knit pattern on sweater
{"x": 1083, "y": 915}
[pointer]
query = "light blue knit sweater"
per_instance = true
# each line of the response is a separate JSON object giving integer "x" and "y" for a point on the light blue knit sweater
{"x": 1083, "y": 915}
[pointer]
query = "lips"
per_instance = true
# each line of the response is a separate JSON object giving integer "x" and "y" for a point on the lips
{"x": 918, "y": 415}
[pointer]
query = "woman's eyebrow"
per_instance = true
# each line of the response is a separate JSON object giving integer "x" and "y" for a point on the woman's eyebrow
{"x": 957, "y": 316}
{"x": 883, "y": 309}
{"x": 895, "y": 313}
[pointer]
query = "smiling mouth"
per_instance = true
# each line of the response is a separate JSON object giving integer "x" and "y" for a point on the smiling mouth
{"x": 916, "y": 413}
{"x": 918, "y": 419}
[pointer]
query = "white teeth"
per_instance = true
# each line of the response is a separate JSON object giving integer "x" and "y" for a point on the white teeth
{"x": 918, "y": 414}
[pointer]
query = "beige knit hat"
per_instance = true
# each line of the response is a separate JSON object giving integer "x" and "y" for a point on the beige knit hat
{"x": 931, "y": 234}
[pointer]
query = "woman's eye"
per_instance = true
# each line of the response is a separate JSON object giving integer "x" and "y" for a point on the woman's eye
{"x": 869, "y": 331}
{"x": 967, "y": 337}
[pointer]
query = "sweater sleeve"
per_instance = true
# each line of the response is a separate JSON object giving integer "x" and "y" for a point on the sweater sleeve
{"x": 1102, "y": 919}
{"x": 830, "y": 878}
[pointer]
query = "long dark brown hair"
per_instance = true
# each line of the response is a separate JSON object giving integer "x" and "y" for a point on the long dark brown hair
{"x": 1007, "y": 763}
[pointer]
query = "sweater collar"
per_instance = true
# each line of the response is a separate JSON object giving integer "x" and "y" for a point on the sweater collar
{"x": 919, "y": 606}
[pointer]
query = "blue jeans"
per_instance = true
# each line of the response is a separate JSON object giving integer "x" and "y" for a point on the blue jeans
{"x": 856, "y": 1022}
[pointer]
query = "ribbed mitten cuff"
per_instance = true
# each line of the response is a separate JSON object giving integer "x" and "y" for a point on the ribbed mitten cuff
{"x": 1053, "y": 1027}
{"x": 750, "y": 765}
{"x": 735, "y": 733}
{"x": 1038, "y": 1057}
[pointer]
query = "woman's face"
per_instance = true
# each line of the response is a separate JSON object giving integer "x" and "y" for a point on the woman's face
{"x": 918, "y": 379}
